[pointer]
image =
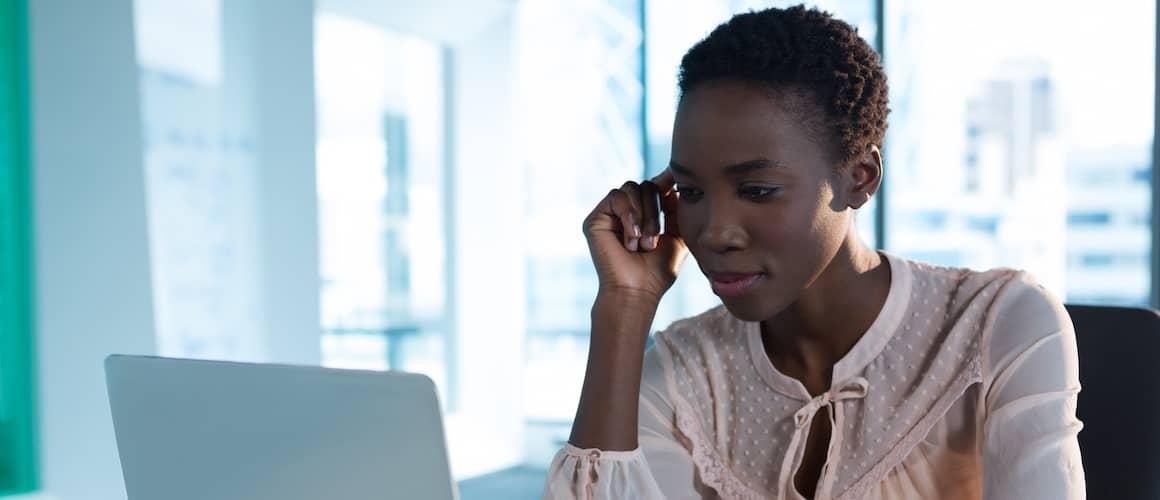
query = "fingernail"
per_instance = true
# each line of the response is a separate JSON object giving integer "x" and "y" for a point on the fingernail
{"x": 650, "y": 243}
{"x": 633, "y": 244}
{"x": 636, "y": 230}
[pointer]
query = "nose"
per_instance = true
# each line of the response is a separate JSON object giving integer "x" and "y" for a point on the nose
{"x": 722, "y": 231}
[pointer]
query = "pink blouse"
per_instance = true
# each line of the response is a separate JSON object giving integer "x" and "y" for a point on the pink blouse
{"x": 964, "y": 387}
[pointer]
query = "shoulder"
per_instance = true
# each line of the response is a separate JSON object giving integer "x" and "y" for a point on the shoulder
{"x": 703, "y": 333}
{"x": 1007, "y": 305}
{"x": 960, "y": 283}
{"x": 693, "y": 346}
{"x": 1006, "y": 311}
{"x": 1023, "y": 311}
{"x": 1022, "y": 303}
{"x": 1001, "y": 298}
{"x": 1026, "y": 321}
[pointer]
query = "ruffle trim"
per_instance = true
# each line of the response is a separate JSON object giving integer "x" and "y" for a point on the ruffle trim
{"x": 714, "y": 472}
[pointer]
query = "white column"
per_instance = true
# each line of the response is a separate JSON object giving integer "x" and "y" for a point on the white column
{"x": 489, "y": 248}
{"x": 92, "y": 261}
{"x": 268, "y": 49}
{"x": 288, "y": 196}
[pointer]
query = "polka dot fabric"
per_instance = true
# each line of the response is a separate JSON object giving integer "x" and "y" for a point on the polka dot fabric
{"x": 909, "y": 402}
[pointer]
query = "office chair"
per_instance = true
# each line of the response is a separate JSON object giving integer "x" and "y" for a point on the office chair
{"x": 1119, "y": 402}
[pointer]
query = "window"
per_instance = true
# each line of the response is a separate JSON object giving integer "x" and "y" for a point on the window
{"x": 1143, "y": 219}
{"x": 381, "y": 199}
{"x": 1142, "y": 175}
{"x": 17, "y": 426}
{"x": 1088, "y": 219}
{"x": 984, "y": 224}
{"x": 580, "y": 127}
{"x": 1024, "y": 135}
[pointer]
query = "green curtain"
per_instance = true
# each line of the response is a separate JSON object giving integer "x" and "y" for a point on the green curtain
{"x": 17, "y": 417}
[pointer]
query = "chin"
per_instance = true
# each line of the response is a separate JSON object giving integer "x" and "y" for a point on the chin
{"x": 747, "y": 309}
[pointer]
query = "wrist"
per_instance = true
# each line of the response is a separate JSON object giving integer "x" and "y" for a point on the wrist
{"x": 626, "y": 297}
{"x": 622, "y": 319}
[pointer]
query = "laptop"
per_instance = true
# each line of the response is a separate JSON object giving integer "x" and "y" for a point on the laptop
{"x": 212, "y": 430}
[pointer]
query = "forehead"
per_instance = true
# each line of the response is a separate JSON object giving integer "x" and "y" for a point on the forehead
{"x": 724, "y": 123}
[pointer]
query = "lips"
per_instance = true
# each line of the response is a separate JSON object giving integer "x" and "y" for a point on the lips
{"x": 734, "y": 284}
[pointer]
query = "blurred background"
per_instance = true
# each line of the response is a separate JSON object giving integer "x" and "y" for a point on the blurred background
{"x": 400, "y": 185}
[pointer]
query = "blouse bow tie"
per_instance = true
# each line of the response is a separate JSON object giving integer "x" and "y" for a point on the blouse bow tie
{"x": 854, "y": 388}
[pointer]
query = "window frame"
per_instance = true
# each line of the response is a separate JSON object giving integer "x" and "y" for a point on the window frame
{"x": 1154, "y": 299}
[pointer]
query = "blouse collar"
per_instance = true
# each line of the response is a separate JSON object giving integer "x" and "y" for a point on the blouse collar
{"x": 864, "y": 351}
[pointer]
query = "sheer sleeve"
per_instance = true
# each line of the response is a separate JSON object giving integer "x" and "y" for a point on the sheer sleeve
{"x": 1031, "y": 368}
{"x": 660, "y": 468}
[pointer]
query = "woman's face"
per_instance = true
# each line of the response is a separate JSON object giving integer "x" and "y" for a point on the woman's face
{"x": 763, "y": 208}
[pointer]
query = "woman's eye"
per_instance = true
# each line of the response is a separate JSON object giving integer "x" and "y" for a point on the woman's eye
{"x": 759, "y": 193}
{"x": 689, "y": 194}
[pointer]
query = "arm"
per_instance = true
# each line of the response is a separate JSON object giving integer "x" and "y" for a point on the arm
{"x": 635, "y": 264}
{"x": 1030, "y": 450}
{"x": 607, "y": 416}
{"x": 660, "y": 467}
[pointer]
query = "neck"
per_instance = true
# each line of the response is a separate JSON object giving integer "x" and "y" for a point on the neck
{"x": 828, "y": 319}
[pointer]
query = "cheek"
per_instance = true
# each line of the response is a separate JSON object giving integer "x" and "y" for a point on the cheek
{"x": 774, "y": 230}
{"x": 801, "y": 232}
{"x": 826, "y": 233}
{"x": 828, "y": 221}
{"x": 786, "y": 227}
{"x": 689, "y": 222}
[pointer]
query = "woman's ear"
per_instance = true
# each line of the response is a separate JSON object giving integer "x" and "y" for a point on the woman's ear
{"x": 865, "y": 177}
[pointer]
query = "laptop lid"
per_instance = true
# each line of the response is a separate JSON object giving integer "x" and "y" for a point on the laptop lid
{"x": 197, "y": 430}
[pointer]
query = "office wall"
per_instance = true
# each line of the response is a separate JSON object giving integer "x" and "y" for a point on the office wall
{"x": 92, "y": 261}
{"x": 228, "y": 105}
{"x": 93, "y": 258}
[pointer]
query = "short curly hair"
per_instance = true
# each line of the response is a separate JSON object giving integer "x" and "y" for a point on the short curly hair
{"x": 806, "y": 51}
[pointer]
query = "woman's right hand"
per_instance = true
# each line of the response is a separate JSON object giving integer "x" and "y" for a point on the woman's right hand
{"x": 631, "y": 253}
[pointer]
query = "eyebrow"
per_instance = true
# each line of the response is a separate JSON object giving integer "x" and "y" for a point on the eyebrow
{"x": 732, "y": 170}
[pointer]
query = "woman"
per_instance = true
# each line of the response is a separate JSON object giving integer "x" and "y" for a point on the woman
{"x": 832, "y": 370}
